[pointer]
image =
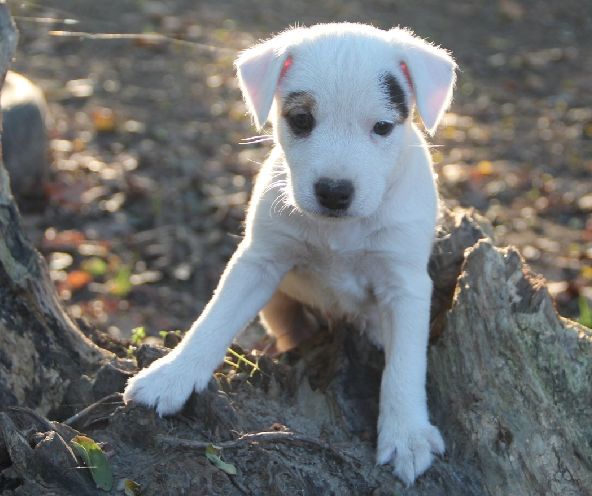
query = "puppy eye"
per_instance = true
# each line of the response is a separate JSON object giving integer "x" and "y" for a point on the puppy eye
{"x": 301, "y": 122}
{"x": 383, "y": 128}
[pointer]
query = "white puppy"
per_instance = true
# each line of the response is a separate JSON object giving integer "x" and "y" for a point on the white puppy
{"x": 342, "y": 218}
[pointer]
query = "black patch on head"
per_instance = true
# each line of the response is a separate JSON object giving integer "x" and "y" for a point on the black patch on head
{"x": 298, "y": 110}
{"x": 298, "y": 99}
{"x": 395, "y": 94}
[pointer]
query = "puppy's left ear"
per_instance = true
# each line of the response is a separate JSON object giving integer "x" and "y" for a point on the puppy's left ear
{"x": 430, "y": 71}
{"x": 259, "y": 69}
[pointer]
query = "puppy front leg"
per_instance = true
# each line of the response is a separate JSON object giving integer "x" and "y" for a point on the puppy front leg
{"x": 405, "y": 436}
{"x": 246, "y": 285}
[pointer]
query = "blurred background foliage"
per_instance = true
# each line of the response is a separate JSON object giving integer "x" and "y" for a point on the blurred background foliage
{"x": 148, "y": 181}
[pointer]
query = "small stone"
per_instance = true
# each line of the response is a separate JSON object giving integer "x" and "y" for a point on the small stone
{"x": 146, "y": 354}
{"x": 24, "y": 139}
{"x": 585, "y": 203}
{"x": 111, "y": 378}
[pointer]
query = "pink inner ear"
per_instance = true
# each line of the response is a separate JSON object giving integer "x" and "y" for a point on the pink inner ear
{"x": 407, "y": 74}
{"x": 287, "y": 64}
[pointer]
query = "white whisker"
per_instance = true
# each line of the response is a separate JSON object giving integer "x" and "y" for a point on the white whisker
{"x": 256, "y": 139}
{"x": 274, "y": 185}
{"x": 254, "y": 162}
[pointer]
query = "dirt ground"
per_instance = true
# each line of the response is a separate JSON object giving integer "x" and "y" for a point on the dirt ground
{"x": 148, "y": 186}
{"x": 149, "y": 180}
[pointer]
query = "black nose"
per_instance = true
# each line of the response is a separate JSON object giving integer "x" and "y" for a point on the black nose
{"x": 332, "y": 194}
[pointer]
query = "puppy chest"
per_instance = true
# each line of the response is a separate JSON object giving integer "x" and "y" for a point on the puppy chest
{"x": 338, "y": 285}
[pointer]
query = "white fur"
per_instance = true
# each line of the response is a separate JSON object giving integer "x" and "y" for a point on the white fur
{"x": 370, "y": 266}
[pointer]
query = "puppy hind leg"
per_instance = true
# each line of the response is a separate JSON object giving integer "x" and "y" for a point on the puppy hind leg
{"x": 288, "y": 321}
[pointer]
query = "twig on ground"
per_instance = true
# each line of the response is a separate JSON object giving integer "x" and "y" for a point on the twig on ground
{"x": 83, "y": 415}
{"x": 257, "y": 437}
{"x": 142, "y": 37}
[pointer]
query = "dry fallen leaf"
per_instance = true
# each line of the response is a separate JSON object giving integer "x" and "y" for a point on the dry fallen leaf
{"x": 104, "y": 120}
{"x": 77, "y": 279}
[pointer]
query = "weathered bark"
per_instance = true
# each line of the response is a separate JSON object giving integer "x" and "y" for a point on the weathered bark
{"x": 42, "y": 353}
{"x": 512, "y": 381}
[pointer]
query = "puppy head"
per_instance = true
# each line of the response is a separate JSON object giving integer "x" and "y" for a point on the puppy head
{"x": 341, "y": 97}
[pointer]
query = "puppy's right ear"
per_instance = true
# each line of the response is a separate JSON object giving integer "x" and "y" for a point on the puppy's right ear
{"x": 259, "y": 69}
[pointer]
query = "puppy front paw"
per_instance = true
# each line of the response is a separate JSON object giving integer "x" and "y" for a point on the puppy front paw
{"x": 410, "y": 450}
{"x": 165, "y": 385}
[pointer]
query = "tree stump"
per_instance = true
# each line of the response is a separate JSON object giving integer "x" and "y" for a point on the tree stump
{"x": 510, "y": 381}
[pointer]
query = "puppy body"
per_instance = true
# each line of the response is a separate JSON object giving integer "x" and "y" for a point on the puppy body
{"x": 341, "y": 219}
{"x": 351, "y": 268}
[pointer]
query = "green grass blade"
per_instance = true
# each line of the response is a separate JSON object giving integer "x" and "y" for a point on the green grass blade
{"x": 96, "y": 461}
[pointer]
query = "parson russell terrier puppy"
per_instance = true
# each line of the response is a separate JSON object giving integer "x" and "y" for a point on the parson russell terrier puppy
{"x": 342, "y": 219}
